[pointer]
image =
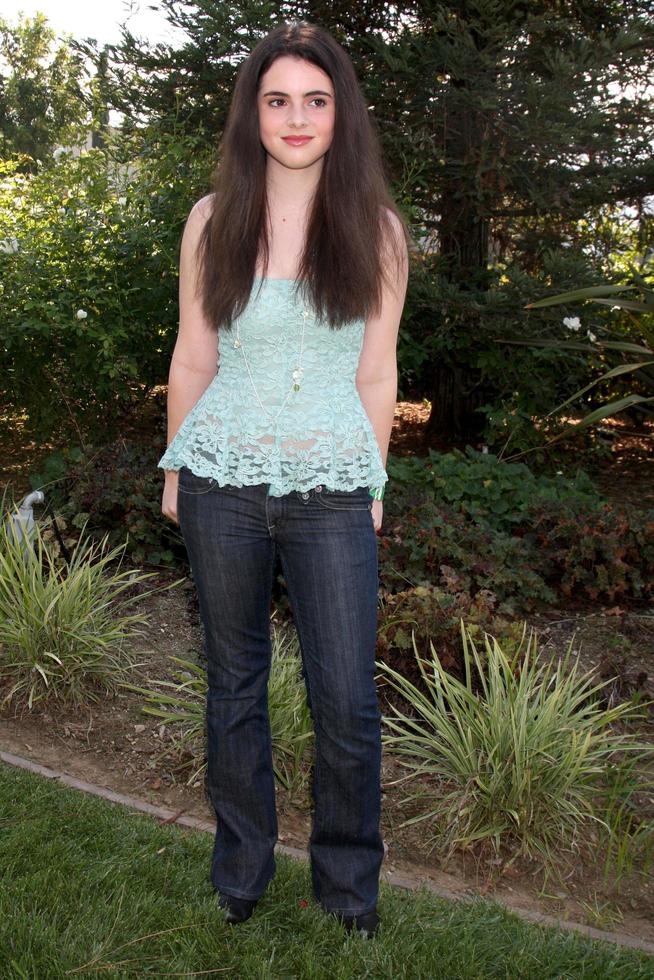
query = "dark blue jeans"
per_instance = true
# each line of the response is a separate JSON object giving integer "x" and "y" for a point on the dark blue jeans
{"x": 327, "y": 546}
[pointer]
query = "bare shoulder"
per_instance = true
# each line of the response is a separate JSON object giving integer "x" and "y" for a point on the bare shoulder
{"x": 194, "y": 226}
{"x": 196, "y": 340}
{"x": 393, "y": 221}
{"x": 378, "y": 359}
{"x": 395, "y": 255}
{"x": 204, "y": 206}
{"x": 201, "y": 211}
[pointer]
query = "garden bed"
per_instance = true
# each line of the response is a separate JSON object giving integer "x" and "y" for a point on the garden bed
{"x": 115, "y": 745}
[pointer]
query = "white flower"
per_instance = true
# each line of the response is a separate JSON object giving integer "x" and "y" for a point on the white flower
{"x": 572, "y": 322}
{"x": 81, "y": 314}
{"x": 122, "y": 201}
{"x": 559, "y": 472}
{"x": 9, "y": 245}
{"x": 59, "y": 152}
{"x": 61, "y": 210}
{"x": 591, "y": 336}
{"x": 18, "y": 202}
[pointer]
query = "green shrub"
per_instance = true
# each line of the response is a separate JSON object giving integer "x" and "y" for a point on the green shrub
{"x": 561, "y": 541}
{"x": 426, "y": 616}
{"x": 626, "y": 840}
{"x": 485, "y": 489}
{"x": 453, "y": 344}
{"x": 520, "y": 764}
{"x": 115, "y": 488}
{"x": 428, "y": 543}
{"x": 88, "y": 281}
{"x": 572, "y": 546}
{"x": 603, "y": 553}
{"x": 291, "y": 725}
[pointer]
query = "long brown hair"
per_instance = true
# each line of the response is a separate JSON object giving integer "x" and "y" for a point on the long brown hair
{"x": 348, "y": 228}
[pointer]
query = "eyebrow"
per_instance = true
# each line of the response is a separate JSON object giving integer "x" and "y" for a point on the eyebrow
{"x": 286, "y": 95}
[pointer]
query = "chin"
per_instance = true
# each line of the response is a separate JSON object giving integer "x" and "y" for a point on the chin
{"x": 295, "y": 163}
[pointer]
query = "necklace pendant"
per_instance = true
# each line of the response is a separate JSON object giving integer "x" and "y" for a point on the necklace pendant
{"x": 296, "y": 387}
{"x": 237, "y": 343}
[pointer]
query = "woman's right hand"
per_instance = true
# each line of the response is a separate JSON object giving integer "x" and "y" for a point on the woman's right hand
{"x": 169, "y": 501}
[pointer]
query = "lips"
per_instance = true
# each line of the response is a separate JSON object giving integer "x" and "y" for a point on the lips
{"x": 297, "y": 140}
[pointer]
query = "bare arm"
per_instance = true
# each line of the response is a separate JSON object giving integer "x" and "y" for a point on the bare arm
{"x": 376, "y": 377}
{"x": 194, "y": 361}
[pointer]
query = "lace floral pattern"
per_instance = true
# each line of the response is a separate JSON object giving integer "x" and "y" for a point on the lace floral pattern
{"x": 322, "y": 434}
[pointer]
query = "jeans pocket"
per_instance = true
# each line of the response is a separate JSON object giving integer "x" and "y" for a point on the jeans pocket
{"x": 357, "y": 499}
{"x": 190, "y": 482}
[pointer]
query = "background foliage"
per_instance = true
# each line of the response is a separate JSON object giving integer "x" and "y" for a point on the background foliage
{"x": 517, "y": 141}
{"x": 516, "y": 138}
{"x": 88, "y": 291}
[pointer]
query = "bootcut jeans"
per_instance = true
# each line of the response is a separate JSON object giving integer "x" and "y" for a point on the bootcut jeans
{"x": 327, "y": 547}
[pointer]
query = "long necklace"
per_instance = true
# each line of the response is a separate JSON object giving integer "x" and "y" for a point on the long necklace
{"x": 297, "y": 373}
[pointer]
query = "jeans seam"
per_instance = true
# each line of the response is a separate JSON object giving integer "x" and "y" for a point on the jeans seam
{"x": 353, "y": 506}
{"x": 204, "y": 489}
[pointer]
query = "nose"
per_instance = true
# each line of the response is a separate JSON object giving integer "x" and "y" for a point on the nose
{"x": 296, "y": 115}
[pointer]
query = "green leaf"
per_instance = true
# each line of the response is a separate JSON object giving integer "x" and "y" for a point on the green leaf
{"x": 613, "y": 408}
{"x": 614, "y": 372}
{"x": 576, "y": 294}
{"x": 626, "y": 304}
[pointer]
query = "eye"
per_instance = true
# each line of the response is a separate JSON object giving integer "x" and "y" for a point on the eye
{"x": 319, "y": 99}
{"x": 272, "y": 101}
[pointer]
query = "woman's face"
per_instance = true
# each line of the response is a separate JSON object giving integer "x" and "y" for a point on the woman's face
{"x": 296, "y": 112}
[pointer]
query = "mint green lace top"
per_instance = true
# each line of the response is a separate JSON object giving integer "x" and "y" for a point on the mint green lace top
{"x": 251, "y": 426}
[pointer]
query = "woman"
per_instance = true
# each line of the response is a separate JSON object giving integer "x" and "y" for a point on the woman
{"x": 299, "y": 257}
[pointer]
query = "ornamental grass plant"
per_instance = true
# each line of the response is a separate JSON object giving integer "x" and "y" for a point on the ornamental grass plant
{"x": 64, "y": 627}
{"x": 291, "y": 724}
{"x": 519, "y": 752}
{"x": 182, "y": 702}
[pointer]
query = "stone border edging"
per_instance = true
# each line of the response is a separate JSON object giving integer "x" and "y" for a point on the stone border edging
{"x": 392, "y": 877}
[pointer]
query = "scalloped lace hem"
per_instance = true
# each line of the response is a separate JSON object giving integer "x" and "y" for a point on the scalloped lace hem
{"x": 283, "y": 476}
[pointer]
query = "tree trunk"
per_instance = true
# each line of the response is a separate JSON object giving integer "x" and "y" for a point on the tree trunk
{"x": 456, "y": 393}
{"x": 463, "y": 239}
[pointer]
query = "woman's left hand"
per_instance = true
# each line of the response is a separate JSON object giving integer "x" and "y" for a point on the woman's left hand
{"x": 377, "y": 513}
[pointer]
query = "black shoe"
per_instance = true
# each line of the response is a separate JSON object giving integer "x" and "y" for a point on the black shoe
{"x": 236, "y": 909}
{"x": 366, "y": 925}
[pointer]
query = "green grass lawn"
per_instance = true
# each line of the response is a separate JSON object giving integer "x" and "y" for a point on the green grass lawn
{"x": 90, "y": 889}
